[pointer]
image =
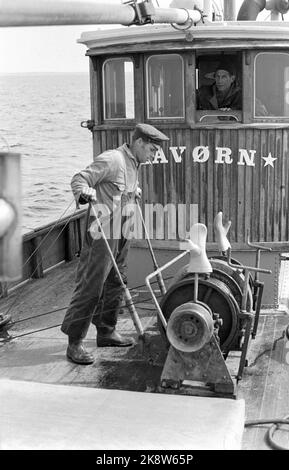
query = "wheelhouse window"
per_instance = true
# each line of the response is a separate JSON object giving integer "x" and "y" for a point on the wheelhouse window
{"x": 118, "y": 86}
{"x": 218, "y": 87}
{"x": 271, "y": 85}
{"x": 165, "y": 86}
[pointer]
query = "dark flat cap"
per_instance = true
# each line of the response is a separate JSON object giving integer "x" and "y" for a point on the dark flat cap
{"x": 149, "y": 133}
{"x": 228, "y": 65}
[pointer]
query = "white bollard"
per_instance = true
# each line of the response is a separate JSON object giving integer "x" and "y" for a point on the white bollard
{"x": 10, "y": 217}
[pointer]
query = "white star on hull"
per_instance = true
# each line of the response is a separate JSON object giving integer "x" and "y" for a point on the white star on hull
{"x": 269, "y": 160}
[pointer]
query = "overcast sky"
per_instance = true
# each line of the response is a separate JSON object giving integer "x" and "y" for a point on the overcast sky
{"x": 44, "y": 48}
{"x": 48, "y": 48}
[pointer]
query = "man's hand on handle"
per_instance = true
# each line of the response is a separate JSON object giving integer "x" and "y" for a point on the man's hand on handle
{"x": 87, "y": 195}
{"x": 138, "y": 193}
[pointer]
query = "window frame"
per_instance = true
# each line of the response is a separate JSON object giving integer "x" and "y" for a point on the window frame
{"x": 202, "y": 114}
{"x": 105, "y": 119}
{"x": 238, "y": 114}
{"x": 264, "y": 119}
{"x": 162, "y": 119}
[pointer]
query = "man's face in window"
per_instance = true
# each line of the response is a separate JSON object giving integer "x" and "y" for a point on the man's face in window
{"x": 223, "y": 80}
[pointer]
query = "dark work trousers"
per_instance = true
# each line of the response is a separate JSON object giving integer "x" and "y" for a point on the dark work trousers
{"x": 98, "y": 293}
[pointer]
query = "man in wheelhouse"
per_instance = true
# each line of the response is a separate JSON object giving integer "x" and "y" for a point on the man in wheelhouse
{"x": 224, "y": 94}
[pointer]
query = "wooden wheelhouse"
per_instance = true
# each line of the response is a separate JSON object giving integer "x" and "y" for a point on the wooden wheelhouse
{"x": 232, "y": 161}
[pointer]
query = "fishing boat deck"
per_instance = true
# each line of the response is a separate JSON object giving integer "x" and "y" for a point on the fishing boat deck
{"x": 36, "y": 352}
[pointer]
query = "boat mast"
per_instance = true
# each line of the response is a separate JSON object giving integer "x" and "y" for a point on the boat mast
{"x": 208, "y": 9}
{"x": 230, "y": 9}
{"x": 48, "y": 13}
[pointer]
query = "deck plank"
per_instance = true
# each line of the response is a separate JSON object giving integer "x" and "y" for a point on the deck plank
{"x": 266, "y": 379}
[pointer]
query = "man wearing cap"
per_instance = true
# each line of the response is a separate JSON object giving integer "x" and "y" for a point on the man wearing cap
{"x": 111, "y": 182}
{"x": 224, "y": 94}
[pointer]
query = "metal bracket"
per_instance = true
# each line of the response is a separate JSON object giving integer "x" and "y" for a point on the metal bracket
{"x": 88, "y": 124}
{"x": 203, "y": 372}
{"x": 144, "y": 11}
{"x": 5, "y": 319}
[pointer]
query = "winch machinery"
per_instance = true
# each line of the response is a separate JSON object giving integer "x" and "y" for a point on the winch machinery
{"x": 211, "y": 307}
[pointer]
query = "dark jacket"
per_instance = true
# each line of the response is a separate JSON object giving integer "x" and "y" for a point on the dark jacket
{"x": 207, "y": 98}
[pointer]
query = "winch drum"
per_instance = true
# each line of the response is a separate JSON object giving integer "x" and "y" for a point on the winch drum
{"x": 211, "y": 292}
{"x": 190, "y": 327}
{"x": 233, "y": 278}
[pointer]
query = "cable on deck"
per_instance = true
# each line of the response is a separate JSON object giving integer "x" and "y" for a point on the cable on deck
{"x": 276, "y": 426}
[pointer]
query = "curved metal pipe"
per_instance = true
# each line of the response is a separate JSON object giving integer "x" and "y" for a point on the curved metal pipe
{"x": 250, "y": 9}
{"x": 282, "y": 6}
{"x": 278, "y": 6}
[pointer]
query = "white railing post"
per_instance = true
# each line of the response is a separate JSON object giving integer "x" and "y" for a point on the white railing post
{"x": 10, "y": 217}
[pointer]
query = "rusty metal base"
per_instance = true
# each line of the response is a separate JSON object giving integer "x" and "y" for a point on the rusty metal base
{"x": 4, "y": 325}
{"x": 4, "y": 319}
{"x": 202, "y": 373}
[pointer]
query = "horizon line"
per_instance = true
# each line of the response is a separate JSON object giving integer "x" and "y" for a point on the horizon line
{"x": 43, "y": 72}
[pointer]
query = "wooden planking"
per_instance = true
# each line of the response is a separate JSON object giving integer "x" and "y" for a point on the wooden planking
{"x": 248, "y": 190}
{"x": 253, "y": 382}
{"x": 265, "y": 381}
{"x": 275, "y": 398}
{"x": 269, "y": 195}
{"x": 41, "y": 356}
{"x": 276, "y": 189}
{"x": 215, "y": 193}
{"x": 95, "y": 87}
{"x": 262, "y": 206}
{"x": 239, "y": 203}
{"x": 226, "y": 188}
{"x": 284, "y": 229}
{"x": 190, "y": 86}
{"x": 210, "y": 210}
{"x": 233, "y": 191}
{"x": 200, "y": 168}
{"x": 278, "y": 185}
{"x": 189, "y": 182}
{"x": 255, "y": 198}
{"x": 255, "y": 225}
{"x": 139, "y": 88}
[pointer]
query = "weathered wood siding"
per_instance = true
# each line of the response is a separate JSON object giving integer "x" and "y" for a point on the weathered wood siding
{"x": 255, "y": 197}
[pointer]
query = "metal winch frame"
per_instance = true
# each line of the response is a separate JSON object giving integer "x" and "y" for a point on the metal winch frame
{"x": 193, "y": 314}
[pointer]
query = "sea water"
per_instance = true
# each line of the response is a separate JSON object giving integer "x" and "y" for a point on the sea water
{"x": 40, "y": 116}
